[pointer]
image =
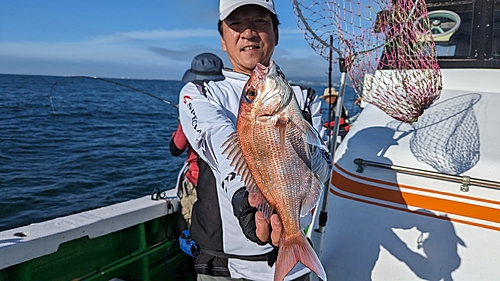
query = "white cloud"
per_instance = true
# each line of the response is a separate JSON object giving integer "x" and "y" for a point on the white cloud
{"x": 170, "y": 51}
{"x": 128, "y": 47}
{"x": 153, "y": 35}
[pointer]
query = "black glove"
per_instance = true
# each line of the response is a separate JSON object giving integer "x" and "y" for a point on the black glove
{"x": 272, "y": 257}
{"x": 246, "y": 215}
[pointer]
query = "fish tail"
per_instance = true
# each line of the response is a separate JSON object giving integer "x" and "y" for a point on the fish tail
{"x": 292, "y": 250}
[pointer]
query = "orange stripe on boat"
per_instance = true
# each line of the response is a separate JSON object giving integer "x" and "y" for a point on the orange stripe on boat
{"x": 417, "y": 188}
{"x": 415, "y": 200}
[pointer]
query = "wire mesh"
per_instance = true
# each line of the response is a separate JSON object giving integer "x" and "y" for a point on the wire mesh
{"x": 387, "y": 47}
{"x": 446, "y": 137}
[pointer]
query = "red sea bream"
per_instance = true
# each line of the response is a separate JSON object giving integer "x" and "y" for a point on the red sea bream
{"x": 270, "y": 150}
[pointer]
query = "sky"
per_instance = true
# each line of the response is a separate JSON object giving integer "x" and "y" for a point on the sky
{"x": 147, "y": 39}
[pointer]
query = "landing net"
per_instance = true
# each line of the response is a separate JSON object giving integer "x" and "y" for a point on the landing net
{"x": 387, "y": 48}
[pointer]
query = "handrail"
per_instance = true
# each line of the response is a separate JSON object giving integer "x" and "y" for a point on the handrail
{"x": 464, "y": 180}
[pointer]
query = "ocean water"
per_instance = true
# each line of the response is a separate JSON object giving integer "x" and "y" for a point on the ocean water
{"x": 73, "y": 144}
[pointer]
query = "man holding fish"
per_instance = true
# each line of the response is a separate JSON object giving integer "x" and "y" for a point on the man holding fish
{"x": 262, "y": 166}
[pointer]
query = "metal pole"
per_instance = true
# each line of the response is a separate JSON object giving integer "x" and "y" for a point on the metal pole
{"x": 330, "y": 106}
{"x": 317, "y": 235}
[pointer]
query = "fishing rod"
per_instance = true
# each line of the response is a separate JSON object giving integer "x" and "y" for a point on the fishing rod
{"x": 330, "y": 105}
{"x": 111, "y": 82}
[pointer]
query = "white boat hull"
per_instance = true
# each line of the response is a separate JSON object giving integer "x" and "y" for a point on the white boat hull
{"x": 389, "y": 225}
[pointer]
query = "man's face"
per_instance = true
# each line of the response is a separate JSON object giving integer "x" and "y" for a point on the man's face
{"x": 248, "y": 38}
{"x": 331, "y": 99}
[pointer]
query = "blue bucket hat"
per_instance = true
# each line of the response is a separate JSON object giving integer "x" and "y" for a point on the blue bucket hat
{"x": 206, "y": 66}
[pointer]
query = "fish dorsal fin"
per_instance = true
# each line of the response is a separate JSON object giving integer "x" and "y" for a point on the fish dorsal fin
{"x": 234, "y": 153}
{"x": 312, "y": 196}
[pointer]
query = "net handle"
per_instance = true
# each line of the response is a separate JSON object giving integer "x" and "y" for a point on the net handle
{"x": 304, "y": 21}
{"x": 317, "y": 38}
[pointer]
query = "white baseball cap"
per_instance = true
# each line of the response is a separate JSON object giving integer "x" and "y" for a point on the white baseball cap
{"x": 228, "y": 6}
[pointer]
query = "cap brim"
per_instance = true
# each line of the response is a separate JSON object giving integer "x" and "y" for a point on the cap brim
{"x": 326, "y": 96}
{"x": 190, "y": 77}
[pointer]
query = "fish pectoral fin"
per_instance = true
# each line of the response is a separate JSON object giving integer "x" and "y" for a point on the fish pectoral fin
{"x": 282, "y": 124}
{"x": 312, "y": 136}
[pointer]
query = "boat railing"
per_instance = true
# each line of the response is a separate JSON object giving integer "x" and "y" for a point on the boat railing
{"x": 465, "y": 180}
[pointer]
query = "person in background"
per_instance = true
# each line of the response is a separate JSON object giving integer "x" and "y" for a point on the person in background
{"x": 237, "y": 242}
{"x": 204, "y": 67}
{"x": 330, "y": 95}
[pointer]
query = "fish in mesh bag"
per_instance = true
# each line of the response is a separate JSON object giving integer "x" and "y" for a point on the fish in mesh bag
{"x": 386, "y": 46}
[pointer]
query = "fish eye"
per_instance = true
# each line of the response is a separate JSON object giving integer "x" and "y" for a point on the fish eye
{"x": 251, "y": 94}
